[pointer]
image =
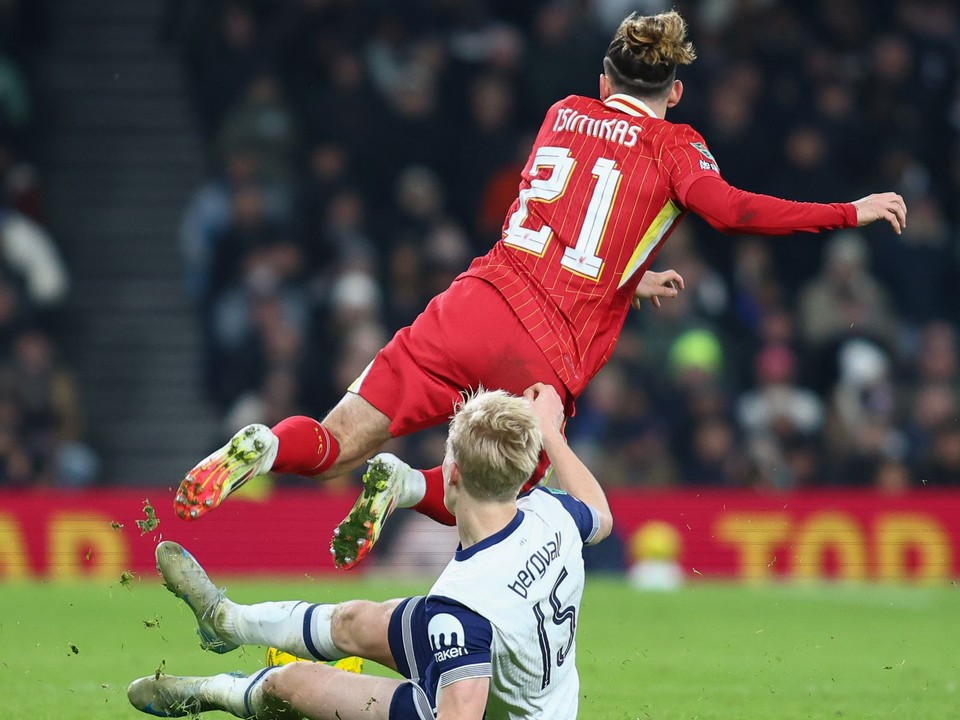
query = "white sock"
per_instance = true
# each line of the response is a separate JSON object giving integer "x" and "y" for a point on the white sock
{"x": 414, "y": 489}
{"x": 233, "y": 693}
{"x": 294, "y": 626}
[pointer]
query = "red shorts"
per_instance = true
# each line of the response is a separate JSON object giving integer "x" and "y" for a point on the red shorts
{"x": 466, "y": 337}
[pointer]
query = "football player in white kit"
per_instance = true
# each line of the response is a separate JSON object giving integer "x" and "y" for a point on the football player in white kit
{"x": 495, "y": 636}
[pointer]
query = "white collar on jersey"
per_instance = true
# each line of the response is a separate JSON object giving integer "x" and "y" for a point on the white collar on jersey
{"x": 629, "y": 105}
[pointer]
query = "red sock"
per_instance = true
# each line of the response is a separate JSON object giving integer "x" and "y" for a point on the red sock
{"x": 432, "y": 504}
{"x": 306, "y": 447}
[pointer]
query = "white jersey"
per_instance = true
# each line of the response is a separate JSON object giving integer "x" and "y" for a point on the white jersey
{"x": 523, "y": 585}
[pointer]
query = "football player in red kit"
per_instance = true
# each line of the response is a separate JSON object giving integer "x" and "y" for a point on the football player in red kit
{"x": 607, "y": 181}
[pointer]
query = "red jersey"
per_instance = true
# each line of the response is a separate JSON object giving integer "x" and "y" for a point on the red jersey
{"x": 605, "y": 185}
{"x": 599, "y": 196}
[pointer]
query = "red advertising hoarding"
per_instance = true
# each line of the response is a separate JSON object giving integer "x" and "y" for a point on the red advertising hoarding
{"x": 845, "y": 535}
{"x": 855, "y": 535}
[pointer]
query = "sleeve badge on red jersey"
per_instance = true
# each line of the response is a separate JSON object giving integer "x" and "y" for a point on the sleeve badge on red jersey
{"x": 703, "y": 151}
{"x": 704, "y": 165}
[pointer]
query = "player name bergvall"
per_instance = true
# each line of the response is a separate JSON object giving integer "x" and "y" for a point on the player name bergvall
{"x": 612, "y": 129}
{"x": 536, "y": 566}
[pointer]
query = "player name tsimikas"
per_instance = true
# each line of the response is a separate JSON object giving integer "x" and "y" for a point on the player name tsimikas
{"x": 618, "y": 131}
{"x": 536, "y": 566}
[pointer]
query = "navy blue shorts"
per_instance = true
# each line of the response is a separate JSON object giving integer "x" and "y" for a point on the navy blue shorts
{"x": 410, "y": 646}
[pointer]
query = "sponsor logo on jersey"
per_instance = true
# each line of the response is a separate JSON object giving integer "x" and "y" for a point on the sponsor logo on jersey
{"x": 704, "y": 165}
{"x": 446, "y": 637}
{"x": 536, "y": 566}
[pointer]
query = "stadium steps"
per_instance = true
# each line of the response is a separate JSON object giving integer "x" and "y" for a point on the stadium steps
{"x": 121, "y": 156}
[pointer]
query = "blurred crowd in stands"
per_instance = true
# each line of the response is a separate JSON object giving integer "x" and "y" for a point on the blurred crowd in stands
{"x": 362, "y": 152}
{"x": 40, "y": 417}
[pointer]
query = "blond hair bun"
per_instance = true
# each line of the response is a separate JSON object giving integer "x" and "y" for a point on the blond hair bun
{"x": 657, "y": 39}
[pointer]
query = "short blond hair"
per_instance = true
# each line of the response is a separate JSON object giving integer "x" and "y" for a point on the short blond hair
{"x": 495, "y": 439}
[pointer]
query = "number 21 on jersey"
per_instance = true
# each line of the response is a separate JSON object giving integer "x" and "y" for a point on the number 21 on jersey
{"x": 582, "y": 258}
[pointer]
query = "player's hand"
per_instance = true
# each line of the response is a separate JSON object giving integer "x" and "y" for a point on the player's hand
{"x": 882, "y": 206}
{"x": 547, "y": 406}
{"x": 656, "y": 285}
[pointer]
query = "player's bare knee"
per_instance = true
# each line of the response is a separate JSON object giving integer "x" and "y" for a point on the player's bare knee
{"x": 360, "y": 626}
{"x": 276, "y": 684}
{"x": 286, "y": 684}
{"x": 347, "y": 626}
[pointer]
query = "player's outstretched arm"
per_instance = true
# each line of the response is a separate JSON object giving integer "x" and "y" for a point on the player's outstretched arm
{"x": 464, "y": 699}
{"x": 573, "y": 476}
{"x": 731, "y": 210}
{"x": 882, "y": 206}
{"x": 655, "y": 285}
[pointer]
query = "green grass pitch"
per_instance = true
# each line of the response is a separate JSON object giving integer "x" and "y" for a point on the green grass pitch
{"x": 67, "y": 651}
